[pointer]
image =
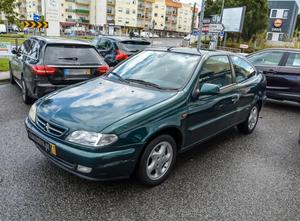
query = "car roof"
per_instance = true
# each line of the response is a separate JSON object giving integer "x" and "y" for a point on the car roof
{"x": 193, "y": 51}
{"x": 121, "y": 38}
{"x": 49, "y": 40}
{"x": 280, "y": 49}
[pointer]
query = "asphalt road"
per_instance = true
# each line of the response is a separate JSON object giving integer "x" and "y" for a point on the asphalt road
{"x": 232, "y": 177}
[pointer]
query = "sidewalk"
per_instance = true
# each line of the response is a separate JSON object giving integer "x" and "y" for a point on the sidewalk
{"x": 4, "y": 76}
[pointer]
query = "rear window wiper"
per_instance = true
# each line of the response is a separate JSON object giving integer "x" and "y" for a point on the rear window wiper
{"x": 69, "y": 58}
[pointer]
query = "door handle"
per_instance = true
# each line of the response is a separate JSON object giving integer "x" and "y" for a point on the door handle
{"x": 235, "y": 99}
{"x": 271, "y": 71}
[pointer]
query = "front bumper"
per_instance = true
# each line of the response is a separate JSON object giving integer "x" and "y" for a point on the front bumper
{"x": 105, "y": 165}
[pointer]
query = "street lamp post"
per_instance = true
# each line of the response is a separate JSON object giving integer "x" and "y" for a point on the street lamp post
{"x": 201, "y": 24}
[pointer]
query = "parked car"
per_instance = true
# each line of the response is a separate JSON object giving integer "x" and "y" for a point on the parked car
{"x": 117, "y": 49}
{"x": 3, "y": 29}
{"x": 41, "y": 65}
{"x": 148, "y": 35}
{"x": 150, "y": 108}
{"x": 282, "y": 70}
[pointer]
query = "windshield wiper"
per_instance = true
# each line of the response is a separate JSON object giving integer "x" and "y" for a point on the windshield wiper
{"x": 145, "y": 83}
{"x": 118, "y": 76}
{"x": 69, "y": 58}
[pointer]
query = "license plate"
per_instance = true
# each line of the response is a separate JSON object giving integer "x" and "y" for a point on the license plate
{"x": 48, "y": 147}
{"x": 76, "y": 72}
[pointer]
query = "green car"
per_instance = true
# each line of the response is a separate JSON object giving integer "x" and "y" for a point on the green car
{"x": 137, "y": 118}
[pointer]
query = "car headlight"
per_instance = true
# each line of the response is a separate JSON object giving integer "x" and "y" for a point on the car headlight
{"x": 91, "y": 138}
{"x": 32, "y": 112}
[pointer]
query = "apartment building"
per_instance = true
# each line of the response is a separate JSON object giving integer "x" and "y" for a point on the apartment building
{"x": 118, "y": 16}
{"x": 168, "y": 16}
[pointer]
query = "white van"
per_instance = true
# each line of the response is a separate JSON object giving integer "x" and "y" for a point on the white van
{"x": 3, "y": 29}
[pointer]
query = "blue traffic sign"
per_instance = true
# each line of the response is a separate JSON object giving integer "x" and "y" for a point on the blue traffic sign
{"x": 221, "y": 34}
{"x": 36, "y": 18}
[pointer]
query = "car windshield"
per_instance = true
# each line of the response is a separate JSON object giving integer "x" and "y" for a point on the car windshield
{"x": 165, "y": 70}
{"x": 134, "y": 45}
{"x": 72, "y": 55}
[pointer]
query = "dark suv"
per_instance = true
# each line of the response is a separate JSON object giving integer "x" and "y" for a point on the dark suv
{"x": 116, "y": 49}
{"x": 282, "y": 69}
{"x": 42, "y": 65}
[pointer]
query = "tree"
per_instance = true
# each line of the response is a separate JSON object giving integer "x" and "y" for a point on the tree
{"x": 256, "y": 17}
{"x": 8, "y": 8}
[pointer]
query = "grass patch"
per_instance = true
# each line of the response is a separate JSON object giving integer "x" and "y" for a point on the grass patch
{"x": 4, "y": 66}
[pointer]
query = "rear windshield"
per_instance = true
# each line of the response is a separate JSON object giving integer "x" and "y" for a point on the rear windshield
{"x": 134, "y": 46}
{"x": 72, "y": 55}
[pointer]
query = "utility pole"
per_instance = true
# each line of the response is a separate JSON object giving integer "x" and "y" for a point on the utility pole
{"x": 193, "y": 18}
{"x": 201, "y": 24}
{"x": 221, "y": 17}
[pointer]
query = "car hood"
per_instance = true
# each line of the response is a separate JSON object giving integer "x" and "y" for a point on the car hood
{"x": 96, "y": 104}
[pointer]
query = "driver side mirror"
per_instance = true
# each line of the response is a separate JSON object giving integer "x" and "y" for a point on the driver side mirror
{"x": 14, "y": 50}
{"x": 207, "y": 89}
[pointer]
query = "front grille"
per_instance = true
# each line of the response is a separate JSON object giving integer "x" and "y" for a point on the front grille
{"x": 50, "y": 128}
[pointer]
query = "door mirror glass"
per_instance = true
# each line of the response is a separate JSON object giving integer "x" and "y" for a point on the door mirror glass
{"x": 209, "y": 89}
{"x": 14, "y": 50}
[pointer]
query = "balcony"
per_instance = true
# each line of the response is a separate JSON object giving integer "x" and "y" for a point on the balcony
{"x": 111, "y": 2}
{"x": 82, "y": 11}
{"x": 83, "y": 2}
{"x": 78, "y": 20}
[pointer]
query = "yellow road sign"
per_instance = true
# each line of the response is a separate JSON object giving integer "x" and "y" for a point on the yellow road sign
{"x": 33, "y": 24}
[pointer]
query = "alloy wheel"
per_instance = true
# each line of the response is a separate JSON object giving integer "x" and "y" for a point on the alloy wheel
{"x": 253, "y": 117}
{"x": 159, "y": 160}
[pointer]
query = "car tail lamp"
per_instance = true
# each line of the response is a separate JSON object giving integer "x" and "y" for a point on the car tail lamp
{"x": 103, "y": 69}
{"x": 121, "y": 55}
{"x": 43, "y": 70}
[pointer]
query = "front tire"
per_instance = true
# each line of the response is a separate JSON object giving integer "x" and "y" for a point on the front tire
{"x": 248, "y": 126}
{"x": 157, "y": 161}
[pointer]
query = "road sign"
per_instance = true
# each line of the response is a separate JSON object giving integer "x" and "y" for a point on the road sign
{"x": 244, "y": 46}
{"x": 33, "y": 24}
{"x": 36, "y": 17}
{"x": 215, "y": 28}
{"x": 221, "y": 34}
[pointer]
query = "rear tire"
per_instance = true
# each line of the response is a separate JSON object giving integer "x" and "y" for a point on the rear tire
{"x": 248, "y": 126}
{"x": 25, "y": 96}
{"x": 11, "y": 76}
{"x": 157, "y": 160}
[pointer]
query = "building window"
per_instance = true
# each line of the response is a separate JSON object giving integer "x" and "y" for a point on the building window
{"x": 127, "y": 11}
{"x": 273, "y": 13}
{"x": 133, "y": 11}
{"x": 285, "y": 14}
{"x": 120, "y": 9}
{"x": 155, "y": 14}
{"x": 269, "y": 36}
{"x": 281, "y": 37}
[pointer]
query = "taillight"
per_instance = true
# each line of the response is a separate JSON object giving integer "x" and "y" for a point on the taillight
{"x": 103, "y": 69}
{"x": 121, "y": 55}
{"x": 43, "y": 70}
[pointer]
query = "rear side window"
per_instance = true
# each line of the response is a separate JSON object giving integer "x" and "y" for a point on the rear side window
{"x": 34, "y": 50}
{"x": 133, "y": 46}
{"x": 243, "y": 70}
{"x": 71, "y": 55}
{"x": 216, "y": 70}
{"x": 267, "y": 58}
{"x": 293, "y": 60}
